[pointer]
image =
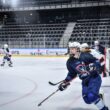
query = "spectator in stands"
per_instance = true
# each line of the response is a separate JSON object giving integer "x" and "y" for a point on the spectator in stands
{"x": 102, "y": 50}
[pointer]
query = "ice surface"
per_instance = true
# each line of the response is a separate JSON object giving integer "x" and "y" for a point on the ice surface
{"x": 25, "y": 84}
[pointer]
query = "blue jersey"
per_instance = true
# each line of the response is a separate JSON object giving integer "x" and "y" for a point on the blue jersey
{"x": 91, "y": 80}
{"x": 81, "y": 67}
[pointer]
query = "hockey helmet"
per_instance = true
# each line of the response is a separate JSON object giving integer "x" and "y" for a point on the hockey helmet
{"x": 84, "y": 45}
{"x": 96, "y": 42}
{"x": 74, "y": 44}
{"x": 5, "y": 45}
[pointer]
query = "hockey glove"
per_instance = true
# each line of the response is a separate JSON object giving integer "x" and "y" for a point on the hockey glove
{"x": 63, "y": 86}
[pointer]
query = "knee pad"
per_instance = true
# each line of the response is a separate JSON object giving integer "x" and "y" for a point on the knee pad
{"x": 90, "y": 98}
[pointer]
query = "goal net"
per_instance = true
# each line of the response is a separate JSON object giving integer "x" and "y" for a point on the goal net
{"x": 108, "y": 60}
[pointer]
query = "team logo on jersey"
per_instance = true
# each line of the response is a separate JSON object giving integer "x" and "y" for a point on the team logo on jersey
{"x": 82, "y": 69}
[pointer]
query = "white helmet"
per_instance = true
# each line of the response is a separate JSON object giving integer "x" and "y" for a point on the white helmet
{"x": 5, "y": 45}
{"x": 96, "y": 42}
{"x": 74, "y": 44}
{"x": 84, "y": 45}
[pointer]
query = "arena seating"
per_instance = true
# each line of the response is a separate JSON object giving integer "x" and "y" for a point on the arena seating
{"x": 32, "y": 35}
{"x": 31, "y": 28}
{"x": 91, "y": 30}
{"x": 49, "y": 35}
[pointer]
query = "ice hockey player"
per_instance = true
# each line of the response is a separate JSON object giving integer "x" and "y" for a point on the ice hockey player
{"x": 77, "y": 64}
{"x": 7, "y": 56}
{"x": 102, "y": 50}
{"x": 86, "y": 48}
{"x": 97, "y": 46}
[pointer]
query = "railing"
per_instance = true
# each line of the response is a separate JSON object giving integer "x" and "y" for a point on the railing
{"x": 53, "y": 4}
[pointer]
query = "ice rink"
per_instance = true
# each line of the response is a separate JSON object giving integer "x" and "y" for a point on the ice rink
{"x": 25, "y": 84}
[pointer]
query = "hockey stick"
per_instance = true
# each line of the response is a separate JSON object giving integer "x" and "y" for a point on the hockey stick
{"x": 54, "y": 84}
{"x": 48, "y": 97}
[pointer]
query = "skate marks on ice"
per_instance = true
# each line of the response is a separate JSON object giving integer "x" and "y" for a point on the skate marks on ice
{"x": 15, "y": 81}
{"x": 105, "y": 86}
{"x": 74, "y": 108}
{"x": 62, "y": 108}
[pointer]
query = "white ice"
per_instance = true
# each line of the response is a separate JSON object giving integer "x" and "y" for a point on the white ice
{"x": 25, "y": 85}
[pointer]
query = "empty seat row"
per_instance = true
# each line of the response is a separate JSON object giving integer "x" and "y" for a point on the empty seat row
{"x": 88, "y": 31}
{"x": 17, "y": 34}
